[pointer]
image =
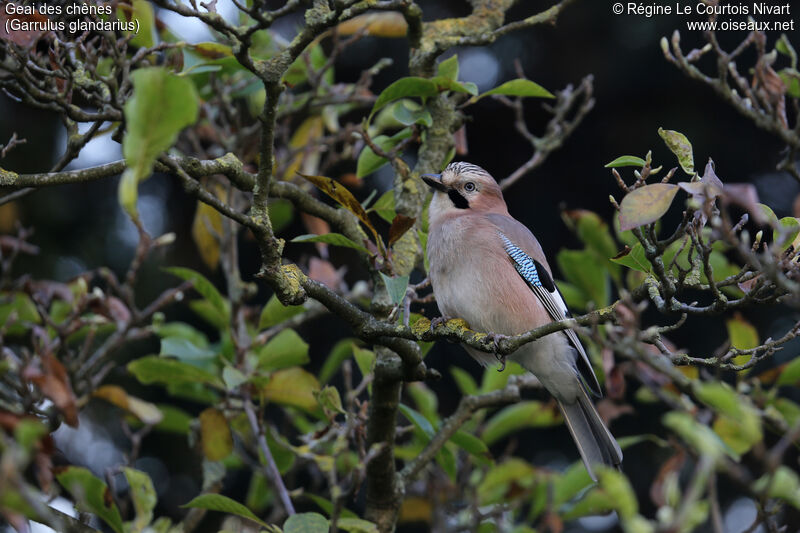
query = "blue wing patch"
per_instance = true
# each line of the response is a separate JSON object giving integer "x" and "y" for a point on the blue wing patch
{"x": 522, "y": 262}
{"x": 530, "y": 269}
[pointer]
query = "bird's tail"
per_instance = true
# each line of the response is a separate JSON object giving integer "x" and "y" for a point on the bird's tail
{"x": 595, "y": 443}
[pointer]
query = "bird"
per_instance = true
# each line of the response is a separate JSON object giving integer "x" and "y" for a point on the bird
{"x": 488, "y": 269}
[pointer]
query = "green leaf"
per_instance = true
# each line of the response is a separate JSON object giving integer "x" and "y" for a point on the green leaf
{"x": 206, "y": 310}
{"x": 340, "y": 351}
{"x": 465, "y": 382}
{"x": 91, "y": 495}
{"x": 447, "y": 460}
{"x": 595, "y": 234}
{"x": 293, "y": 386}
{"x": 21, "y": 305}
{"x": 281, "y": 213}
{"x": 405, "y": 87}
{"x": 28, "y": 433}
{"x": 626, "y": 161}
{"x": 783, "y": 484}
{"x": 494, "y": 380}
{"x": 574, "y": 297}
{"x": 281, "y": 452}
{"x": 155, "y": 369}
{"x": 186, "y": 351}
{"x": 218, "y": 502}
{"x": 357, "y": 525}
{"x": 143, "y": 13}
{"x": 184, "y": 331}
{"x": 275, "y": 312}
{"x": 175, "y": 420}
{"x": 470, "y": 443}
{"x": 407, "y": 112}
{"x": 738, "y": 423}
{"x": 743, "y": 336}
{"x": 368, "y": 161}
{"x": 791, "y": 78}
{"x": 161, "y": 106}
{"x": 520, "y": 87}
{"x": 305, "y": 523}
{"x": 515, "y": 417}
{"x": 791, "y": 373}
{"x": 700, "y": 437}
{"x": 384, "y": 206}
{"x": 646, "y": 204}
{"x": 681, "y": 147}
{"x": 365, "y": 359}
{"x": 785, "y": 47}
{"x": 616, "y": 485}
{"x": 143, "y": 496}
{"x": 583, "y": 269}
{"x": 259, "y": 493}
{"x": 286, "y": 349}
{"x": 594, "y": 502}
{"x": 424, "y": 399}
{"x": 335, "y": 239}
{"x": 419, "y": 421}
{"x": 446, "y": 84}
{"x": 633, "y": 258}
{"x": 330, "y": 401}
{"x": 786, "y": 232}
{"x": 571, "y": 483}
{"x": 449, "y": 68}
{"x": 327, "y": 505}
{"x": 501, "y": 479}
{"x": 204, "y": 287}
{"x": 396, "y": 287}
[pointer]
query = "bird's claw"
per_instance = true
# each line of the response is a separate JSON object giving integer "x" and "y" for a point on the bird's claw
{"x": 496, "y": 338}
{"x": 438, "y": 321}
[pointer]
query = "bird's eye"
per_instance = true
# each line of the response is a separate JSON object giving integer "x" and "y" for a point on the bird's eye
{"x": 469, "y": 186}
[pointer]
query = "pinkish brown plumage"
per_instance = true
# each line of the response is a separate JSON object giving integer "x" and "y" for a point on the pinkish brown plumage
{"x": 489, "y": 269}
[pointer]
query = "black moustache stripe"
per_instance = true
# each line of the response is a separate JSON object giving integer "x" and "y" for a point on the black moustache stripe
{"x": 459, "y": 201}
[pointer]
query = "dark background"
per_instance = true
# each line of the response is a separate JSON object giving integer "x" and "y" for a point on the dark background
{"x": 636, "y": 90}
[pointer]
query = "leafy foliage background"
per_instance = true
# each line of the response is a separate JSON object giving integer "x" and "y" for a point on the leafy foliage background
{"x": 212, "y": 449}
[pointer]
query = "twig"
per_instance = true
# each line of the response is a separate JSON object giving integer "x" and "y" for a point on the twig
{"x": 270, "y": 468}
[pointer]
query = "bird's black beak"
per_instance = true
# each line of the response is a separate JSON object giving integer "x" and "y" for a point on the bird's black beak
{"x": 434, "y": 181}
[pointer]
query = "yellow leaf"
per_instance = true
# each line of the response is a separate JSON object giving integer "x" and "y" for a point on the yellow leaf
{"x": 293, "y": 386}
{"x": 339, "y": 192}
{"x": 743, "y": 336}
{"x": 215, "y": 435}
{"x": 144, "y": 411}
{"x": 206, "y": 228}
{"x": 416, "y": 510}
{"x": 306, "y": 134}
{"x": 387, "y": 24}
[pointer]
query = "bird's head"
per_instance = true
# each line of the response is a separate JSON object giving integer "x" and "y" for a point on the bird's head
{"x": 464, "y": 188}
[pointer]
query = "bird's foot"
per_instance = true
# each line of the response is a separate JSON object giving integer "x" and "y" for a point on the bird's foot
{"x": 496, "y": 338}
{"x": 438, "y": 321}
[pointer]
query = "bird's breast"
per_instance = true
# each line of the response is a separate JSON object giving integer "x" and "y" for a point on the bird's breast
{"x": 473, "y": 279}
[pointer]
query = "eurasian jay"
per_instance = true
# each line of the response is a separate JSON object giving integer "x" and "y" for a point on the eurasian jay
{"x": 487, "y": 268}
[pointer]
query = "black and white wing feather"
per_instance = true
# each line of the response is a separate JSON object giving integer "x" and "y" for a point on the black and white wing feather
{"x": 542, "y": 285}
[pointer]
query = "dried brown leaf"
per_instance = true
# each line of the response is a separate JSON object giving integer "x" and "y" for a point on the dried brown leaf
{"x": 387, "y": 24}
{"x": 400, "y": 225}
{"x": 23, "y": 37}
{"x": 340, "y": 193}
{"x": 51, "y": 378}
{"x": 324, "y": 272}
